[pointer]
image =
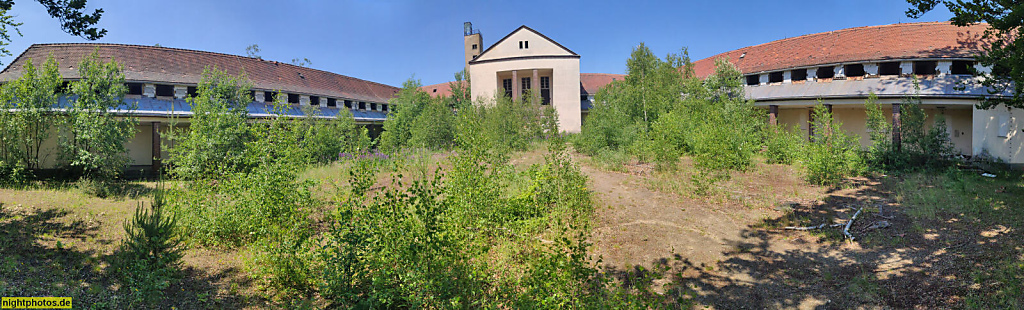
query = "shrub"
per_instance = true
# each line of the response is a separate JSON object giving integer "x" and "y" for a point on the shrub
{"x": 920, "y": 147}
{"x": 95, "y": 143}
{"x": 832, "y": 154}
{"x": 323, "y": 138}
{"x": 26, "y": 117}
{"x": 214, "y": 142}
{"x": 783, "y": 145}
{"x": 149, "y": 258}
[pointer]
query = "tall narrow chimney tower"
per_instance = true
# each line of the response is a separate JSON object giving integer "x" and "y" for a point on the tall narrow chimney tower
{"x": 474, "y": 42}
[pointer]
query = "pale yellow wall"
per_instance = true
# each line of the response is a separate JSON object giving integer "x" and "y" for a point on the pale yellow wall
{"x": 854, "y": 121}
{"x": 539, "y": 46}
{"x": 986, "y": 134}
{"x": 565, "y": 84}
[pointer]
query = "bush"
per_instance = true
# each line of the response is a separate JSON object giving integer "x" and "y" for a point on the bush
{"x": 832, "y": 154}
{"x": 920, "y": 147}
{"x": 214, "y": 142}
{"x": 148, "y": 259}
{"x": 783, "y": 145}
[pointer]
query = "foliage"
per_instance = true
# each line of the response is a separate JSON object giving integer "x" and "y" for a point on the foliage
{"x": 98, "y": 123}
{"x": 920, "y": 147}
{"x": 323, "y": 138}
{"x": 253, "y": 51}
{"x": 215, "y": 140}
{"x": 149, "y": 258}
{"x": 504, "y": 126}
{"x": 1002, "y": 43}
{"x": 783, "y": 145}
{"x": 26, "y": 116}
{"x": 406, "y": 108}
{"x": 831, "y": 155}
{"x": 70, "y": 13}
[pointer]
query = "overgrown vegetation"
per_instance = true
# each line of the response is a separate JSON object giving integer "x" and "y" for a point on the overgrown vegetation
{"x": 832, "y": 154}
{"x": 149, "y": 257}
{"x": 920, "y": 148}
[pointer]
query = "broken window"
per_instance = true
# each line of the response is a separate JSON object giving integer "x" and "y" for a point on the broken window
{"x": 135, "y": 88}
{"x": 192, "y": 91}
{"x": 825, "y": 73}
{"x": 362, "y": 105}
{"x": 314, "y": 100}
{"x": 164, "y": 90}
{"x": 925, "y": 67}
{"x": 753, "y": 79}
{"x": 775, "y": 77}
{"x": 799, "y": 75}
{"x": 854, "y": 70}
{"x": 331, "y": 102}
{"x": 889, "y": 68}
{"x": 373, "y": 106}
{"x": 293, "y": 98}
{"x": 961, "y": 67}
{"x": 348, "y": 104}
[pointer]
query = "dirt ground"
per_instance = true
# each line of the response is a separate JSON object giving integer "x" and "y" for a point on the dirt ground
{"x": 732, "y": 251}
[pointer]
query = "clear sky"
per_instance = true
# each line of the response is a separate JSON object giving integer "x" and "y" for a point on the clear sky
{"x": 391, "y": 41}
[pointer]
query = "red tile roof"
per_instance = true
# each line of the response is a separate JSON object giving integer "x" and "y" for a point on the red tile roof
{"x": 898, "y": 41}
{"x": 590, "y": 83}
{"x": 185, "y": 67}
{"x": 438, "y": 90}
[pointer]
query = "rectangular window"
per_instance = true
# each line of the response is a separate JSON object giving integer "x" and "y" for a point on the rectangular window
{"x": 164, "y": 90}
{"x": 545, "y": 90}
{"x": 825, "y": 73}
{"x": 799, "y": 75}
{"x": 331, "y": 102}
{"x": 373, "y": 106}
{"x": 269, "y": 96}
{"x": 925, "y": 67}
{"x": 293, "y": 98}
{"x": 507, "y": 85}
{"x": 348, "y": 104}
{"x": 753, "y": 79}
{"x": 362, "y": 106}
{"x": 474, "y": 46}
{"x": 889, "y": 68}
{"x": 520, "y": 44}
{"x": 135, "y": 88}
{"x": 525, "y": 85}
{"x": 961, "y": 67}
{"x": 775, "y": 77}
{"x": 384, "y": 107}
{"x": 854, "y": 70}
{"x": 314, "y": 100}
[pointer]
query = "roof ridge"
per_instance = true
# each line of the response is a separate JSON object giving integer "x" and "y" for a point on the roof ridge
{"x": 193, "y": 51}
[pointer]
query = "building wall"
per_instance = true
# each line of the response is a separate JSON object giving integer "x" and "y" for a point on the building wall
{"x": 959, "y": 118}
{"x": 539, "y": 46}
{"x": 988, "y": 137}
{"x": 565, "y": 84}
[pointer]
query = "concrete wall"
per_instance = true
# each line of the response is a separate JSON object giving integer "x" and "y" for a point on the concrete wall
{"x": 565, "y": 84}
{"x": 987, "y": 136}
{"x": 539, "y": 46}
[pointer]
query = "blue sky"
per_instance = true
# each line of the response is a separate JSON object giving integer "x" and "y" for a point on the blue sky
{"x": 391, "y": 41}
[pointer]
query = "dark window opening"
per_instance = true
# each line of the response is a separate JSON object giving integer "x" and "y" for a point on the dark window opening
{"x": 825, "y": 73}
{"x": 753, "y": 79}
{"x": 545, "y": 90}
{"x": 384, "y": 107}
{"x": 889, "y": 68}
{"x": 799, "y": 75}
{"x": 348, "y": 104}
{"x": 925, "y": 67}
{"x": 293, "y": 98}
{"x": 64, "y": 87}
{"x": 854, "y": 70}
{"x": 331, "y": 102}
{"x": 775, "y": 77}
{"x": 164, "y": 90}
{"x": 373, "y": 106}
{"x": 314, "y": 100}
{"x": 961, "y": 67}
{"x": 134, "y": 88}
{"x": 192, "y": 91}
{"x": 362, "y": 105}
{"x": 269, "y": 96}
{"x": 507, "y": 85}
{"x": 520, "y": 44}
{"x": 474, "y": 46}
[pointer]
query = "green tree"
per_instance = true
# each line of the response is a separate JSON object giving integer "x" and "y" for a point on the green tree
{"x": 71, "y": 13}
{"x": 406, "y": 107}
{"x": 1003, "y": 51}
{"x": 98, "y": 123}
{"x": 831, "y": 155}
{"x": 218, "y": 130}
{"x": 253, "y": 51}
{"x": 27, "y": 117}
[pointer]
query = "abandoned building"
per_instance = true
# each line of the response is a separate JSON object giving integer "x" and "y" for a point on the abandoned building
{"x": 841, "y": 68}
{"x": 160, "y": 78}
{"x": 527, "y": 60}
